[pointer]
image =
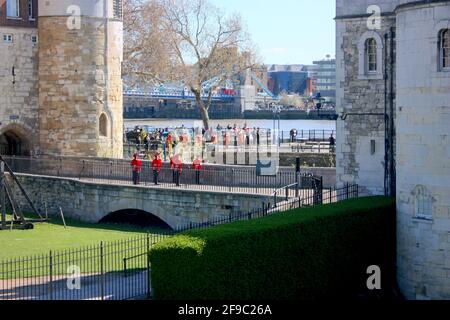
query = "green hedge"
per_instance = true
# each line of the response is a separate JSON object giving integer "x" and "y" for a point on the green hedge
{"x": 309, "y": 253}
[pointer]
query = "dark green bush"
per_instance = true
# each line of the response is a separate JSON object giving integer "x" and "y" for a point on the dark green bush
{"x": 311, "y": 253}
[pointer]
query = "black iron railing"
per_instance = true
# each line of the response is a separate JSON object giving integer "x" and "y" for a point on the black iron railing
{"x": 222, "y": 179}
{"x": 120, "y": 270}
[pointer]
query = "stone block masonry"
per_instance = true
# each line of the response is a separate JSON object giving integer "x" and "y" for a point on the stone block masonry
{"x": 19, "y": 85}
{"x": 360, "y": 149}
{"x": 90, "y": 202}
{"x": 80, "y": 87}
{"x": 421, "y": 126}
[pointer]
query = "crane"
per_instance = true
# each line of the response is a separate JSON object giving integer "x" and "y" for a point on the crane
{"x": 266, "y": 90}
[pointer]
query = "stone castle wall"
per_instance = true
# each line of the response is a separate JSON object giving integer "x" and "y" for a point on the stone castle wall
{"x": 79, "y": 80}
{"x": 19, "y": 100}
{"x": 422, "y": 146}
{"x": 423, "y": 154}
{"x": 360, "y": 138}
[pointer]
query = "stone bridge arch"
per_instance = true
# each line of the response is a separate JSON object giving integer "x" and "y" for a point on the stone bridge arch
{"x": 135, "y": 217}
{"x": 153, "y": 208}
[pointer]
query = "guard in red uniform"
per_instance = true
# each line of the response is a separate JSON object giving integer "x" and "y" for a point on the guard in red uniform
{"x": 136, "y": 166}
{"x": 197, "y": 166}
{"x": 156, "y": 167}
{"x": 177, "y": 167}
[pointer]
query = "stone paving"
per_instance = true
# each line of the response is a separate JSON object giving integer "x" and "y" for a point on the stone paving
{"x": 113, "y": 286}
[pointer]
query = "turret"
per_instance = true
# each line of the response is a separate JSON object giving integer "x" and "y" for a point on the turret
{"x": 80, "y": 85}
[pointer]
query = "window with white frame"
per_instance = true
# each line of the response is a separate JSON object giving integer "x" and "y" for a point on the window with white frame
{"x": 31, "y": 10}
{"x": 7, "y": 38}
{"x": 370, "y": 47}
{"x": 12, "y": 8}
{"x": 371, "y": 55}
{"x": 34, "y": 39}
{"x": 444, "y": 48}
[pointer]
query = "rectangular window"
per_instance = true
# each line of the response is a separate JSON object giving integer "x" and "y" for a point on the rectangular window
{"x": 34, "y": 39}
{"x": 7, "y": 38}
{"x": 12, "y": 8}
{"x": 118, "y": 9}
{"x": 30, "y": 10}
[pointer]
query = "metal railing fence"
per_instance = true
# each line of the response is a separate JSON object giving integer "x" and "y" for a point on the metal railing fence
{"x": 121, "y": 270}
{"x": 223, "y": 179}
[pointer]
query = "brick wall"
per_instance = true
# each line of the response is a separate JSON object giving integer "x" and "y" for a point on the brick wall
{"x": 23, "y": 20}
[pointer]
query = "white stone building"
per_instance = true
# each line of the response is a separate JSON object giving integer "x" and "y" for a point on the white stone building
{"x": 393, "y": 92}
{"x": 60, "y": 77}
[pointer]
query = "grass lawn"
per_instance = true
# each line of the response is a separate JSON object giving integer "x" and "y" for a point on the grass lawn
{"x": 53, "y": 236}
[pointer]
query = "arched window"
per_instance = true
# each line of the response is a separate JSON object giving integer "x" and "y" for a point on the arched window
{"x": 371, "y": 55}
{"x": 423, "y": 203}
{"x": 370, "y": 50}
{"x": 103, "y": 125}
{"x": 444, "y": 48}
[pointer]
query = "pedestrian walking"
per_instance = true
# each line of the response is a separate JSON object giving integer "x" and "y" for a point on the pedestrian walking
{"x": 332, "y": 144}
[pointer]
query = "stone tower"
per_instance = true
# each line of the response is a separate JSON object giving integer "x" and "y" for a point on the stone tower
{"x": 400, "y": 66}
{"x": 19, "y": 127}
{"x": 423, "y": 149}
{"x": 80, "y": 85}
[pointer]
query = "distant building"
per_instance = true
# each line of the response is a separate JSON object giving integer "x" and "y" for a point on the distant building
{"x": 324, "y": 71}
{"x": 288, "y": 78}
{"x": 253, "y": 84}
{"x": 311, "y": 87}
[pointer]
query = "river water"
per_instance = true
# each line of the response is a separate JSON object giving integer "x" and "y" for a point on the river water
{"x": 285, "y": 125}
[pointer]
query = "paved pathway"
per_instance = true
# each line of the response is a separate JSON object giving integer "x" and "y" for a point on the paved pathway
{"x": 112, "y": 286}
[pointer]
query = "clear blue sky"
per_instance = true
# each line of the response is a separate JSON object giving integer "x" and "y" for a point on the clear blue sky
{"x": 288, "y": 31}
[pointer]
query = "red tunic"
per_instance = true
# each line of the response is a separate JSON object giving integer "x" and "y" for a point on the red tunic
{"x": 136, "y": 164}
{"x": 157, "y": 164}
{"x": 197, "y": 165}
{"x": 176, "y": 164}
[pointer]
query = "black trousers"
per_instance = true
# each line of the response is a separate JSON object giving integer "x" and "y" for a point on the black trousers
{"x": 155, "y": 176}
{"x": 177, "y": 174}
{"x": 136, "y": 177}
{"x": 197, "y": 176}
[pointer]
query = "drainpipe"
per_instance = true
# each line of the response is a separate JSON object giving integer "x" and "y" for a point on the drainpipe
{"x": 389, "y": 96}
{"x": 392, "y": 171}
{"x": 386, "y": 122}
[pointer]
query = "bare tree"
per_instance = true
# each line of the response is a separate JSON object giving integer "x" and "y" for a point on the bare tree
{"x": 146, "y": 53}
{"x": 190, "y": 42}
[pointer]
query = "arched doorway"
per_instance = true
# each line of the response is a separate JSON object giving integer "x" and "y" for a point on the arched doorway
{"x": 13, "y": 142}
{"x": 135, "y": 218}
